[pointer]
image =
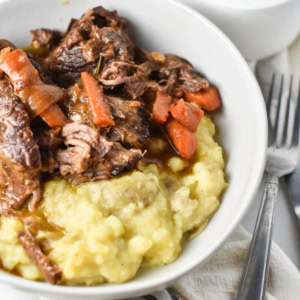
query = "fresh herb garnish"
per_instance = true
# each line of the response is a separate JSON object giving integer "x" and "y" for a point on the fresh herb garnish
{"x": 98, "y": 67}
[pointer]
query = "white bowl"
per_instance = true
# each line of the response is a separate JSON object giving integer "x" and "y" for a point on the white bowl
{"x": 259, "y": 28}
{"x": 167, "y": 26}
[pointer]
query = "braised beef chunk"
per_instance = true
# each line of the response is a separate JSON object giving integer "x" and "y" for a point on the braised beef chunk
{"x": 65, "y": 67}
{"x": 122, "y": 159}
{"x": 74, "y": 160}
{"x": 176, "y": 73}
{"x": 5, "y": 44}
{"x": 31, "y": 246}
{"x": 98, "y": 32}
{"x": 19, "y": 154}
{"x": 49, "y": 140}
{"x": 117, "y": 160}
{"x": 106, "y": 18}
{"x": 45, "y": 38}
{"x": 132, "y": 123}
{"x": 79, "y": 130}
{"x": 91, "y": 156}
{"x": 78, "y": 138}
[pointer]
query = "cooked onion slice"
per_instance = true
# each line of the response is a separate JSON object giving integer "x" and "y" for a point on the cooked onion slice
{"x": 28, "y": 85}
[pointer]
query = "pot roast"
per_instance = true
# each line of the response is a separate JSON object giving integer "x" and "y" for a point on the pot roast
{"x": 81, "y": 106}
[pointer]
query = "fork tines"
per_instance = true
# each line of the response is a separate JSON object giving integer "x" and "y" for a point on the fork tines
{"x": 283, "y": 110}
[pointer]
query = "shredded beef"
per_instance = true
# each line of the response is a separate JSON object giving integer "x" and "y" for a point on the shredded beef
{"x": 98, "y": 32}
{"x": 19, "y": 153}
{"x": 45, "y": 38}
{"x": 78, "y": 130}
{"x": 74, "y": 160}
{"x": 122, "y": 159}
{"x": 91, "y": 156}
{"x": 31, "y": 246}
{"x": 79, "y": 139}
{"x": 49, "y": 140}
{"x": 6, "y": 44}
{"x": 132, "y": 123}
{"x": 178, "y": 74}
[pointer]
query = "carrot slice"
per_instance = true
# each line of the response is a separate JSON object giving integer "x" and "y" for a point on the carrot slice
{"x": 135, "y": 103}
{"x": 54, "y": 116}
{"x": 97, "y": 101}
{"x": 160, "y": 110}
{"x": 187, "y": 114}
{"x": 38, "y": 96}
{"x": 182, "y": 139}
{"x": 209, "y": 99}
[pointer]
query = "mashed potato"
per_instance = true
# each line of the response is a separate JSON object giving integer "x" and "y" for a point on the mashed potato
{"x": 111, "y": 228}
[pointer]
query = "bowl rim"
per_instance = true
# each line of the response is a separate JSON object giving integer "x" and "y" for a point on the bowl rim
{"x": 123, "y": 290}
{"x": 259, "y": 6}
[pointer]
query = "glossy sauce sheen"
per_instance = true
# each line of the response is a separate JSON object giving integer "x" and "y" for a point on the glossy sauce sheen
{"x": 162, "y": 159}
{"x": 42, "y": 224}
{"x": 12, "y": 272}
{"x": 78, "y": 106}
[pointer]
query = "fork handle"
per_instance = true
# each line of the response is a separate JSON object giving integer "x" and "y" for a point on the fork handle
{"x": 255, "y": 274}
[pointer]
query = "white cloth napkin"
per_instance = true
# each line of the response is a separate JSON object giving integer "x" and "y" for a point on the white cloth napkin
{"x": 218, "y": 279}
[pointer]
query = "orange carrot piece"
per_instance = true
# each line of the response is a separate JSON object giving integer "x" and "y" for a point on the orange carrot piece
{"x": 99, "y": 108}
{"x": 39, "y": 97}
{"x": 135, "y": 103}
{"x": 20, "y": 70}
{"x": 54, "y": 116}
{"x": 187, "y": 114}
{"x": 209, "y": 99}
{"x": 160, "y": 111}
{"x": 182, "y": 139}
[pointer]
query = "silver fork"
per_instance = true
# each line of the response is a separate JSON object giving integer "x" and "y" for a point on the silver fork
{"x": 282, "y": 155}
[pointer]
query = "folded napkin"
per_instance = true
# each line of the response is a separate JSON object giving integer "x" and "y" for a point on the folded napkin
{"x": 218, "y": 279}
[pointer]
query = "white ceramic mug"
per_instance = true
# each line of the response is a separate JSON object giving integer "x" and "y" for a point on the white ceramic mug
{"x": 259, "y": 28}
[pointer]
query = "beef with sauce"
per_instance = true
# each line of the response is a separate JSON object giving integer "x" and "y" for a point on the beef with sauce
{"x": 19, "y": 153}
{"x": 178, "y": 74}
{"x": 132, "y": 123}
{"x": 91, "y": 156}
{"x": 45, "y": 38}
{"x": 31, "y": 246}
{"x": 98, "y": 32}
{"x": 6, "y": 44}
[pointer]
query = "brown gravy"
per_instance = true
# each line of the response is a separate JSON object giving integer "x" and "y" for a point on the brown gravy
{"x": 162, "y": 159}
{"x": 12, "y": 272}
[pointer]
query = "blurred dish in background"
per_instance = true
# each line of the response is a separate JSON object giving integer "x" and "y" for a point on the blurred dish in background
{"x": 259, "y": 28}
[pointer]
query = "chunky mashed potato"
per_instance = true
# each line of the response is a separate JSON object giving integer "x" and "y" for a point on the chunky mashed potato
{"x": 111, "y": 228}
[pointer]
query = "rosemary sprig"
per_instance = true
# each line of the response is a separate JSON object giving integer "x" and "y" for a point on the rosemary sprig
{"x": 98, "y": 67}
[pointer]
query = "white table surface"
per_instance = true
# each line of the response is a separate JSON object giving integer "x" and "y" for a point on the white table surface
{"x": 286, "y": 235}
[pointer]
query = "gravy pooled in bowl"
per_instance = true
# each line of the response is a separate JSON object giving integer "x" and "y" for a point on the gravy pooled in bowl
{"x": 108, "y": 158}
